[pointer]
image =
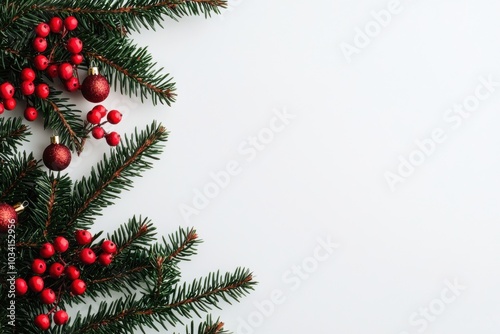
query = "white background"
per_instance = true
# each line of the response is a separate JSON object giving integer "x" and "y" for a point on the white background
{"x": 323, "y": 175}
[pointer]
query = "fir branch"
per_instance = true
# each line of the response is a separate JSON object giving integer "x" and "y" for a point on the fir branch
{"x": 16, "y": 179}
{"x": 12, "y": 133}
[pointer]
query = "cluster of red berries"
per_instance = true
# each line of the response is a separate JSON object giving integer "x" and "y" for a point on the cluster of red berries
{"x": 95, "y": 117}
{"x": 62, "y": 274}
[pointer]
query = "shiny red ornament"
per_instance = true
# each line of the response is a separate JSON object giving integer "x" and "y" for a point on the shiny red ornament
{"x": 30, "y": 114}
{"x": 61, "y": 317}
{"x": 36, "y": 284}
{"x": 95, "y": 87}
{"x": 56, "y": 157}
{"x": 9, "y": 215}
{"x": 42, "y": 321}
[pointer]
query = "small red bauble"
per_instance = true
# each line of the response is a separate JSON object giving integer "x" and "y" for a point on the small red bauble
{"x": 113, "y": 138}
{"x": 47, "y": 250}
{"x": 75, "y": 45}
{"x": 53, "y": 70}
{"x": 76, "y": 59}
{"x": 98, "y": 132}
{"x": 72, "y": 84}
{"x": 8, "y": 216}
{"x": 56, "y": 24}
{"x": 2, "y": 108}
{"x": 71, "y": 23}
{"x": 94, "y": 117}
{"x": 7, "y": 90}
{"x": 38, "y": 266}
{"x": 65, "y": 71}
{"x": 10, "y": 104}
{"x": 61, "y": 244}
{"x": 36, "y": 284}
{"x": 41, "y": 62}
{"x": 27, "y": 74}
{"x": 108, "y": 246}
{"x": 30, "y": 114}
{"x": 83, "y": 237}
{"x": 95, "y": 87}
{"x": 105, "y": 259}
{"x": 87, "y": 256}
{"x": 56, "y": 156}
{"x": 61, "y": 317}
{"x": 42, "y": 30}
{"x": 72, "y": 272}
{"x": 42, "y": 321}
{"x": 47, "y": 296}
{"x": 39, "y": 44}
{"x": 78, "y": 287}
{"x": 114, "y": 117}
{"x": 21, "y": 286}
{"x": 27, "y": 88}
{"x": 42, "y": 91}
{"x": 56, "y": 270}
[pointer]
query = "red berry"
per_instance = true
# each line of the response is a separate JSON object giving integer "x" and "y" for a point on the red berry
{"x": 53, "y": 70}
{"x": 61, "y": 244}
{"x": 83, "y": 237}
{"x": 76, "y": 59}
{"x": 100, "y": 109}
{"x": 94, "y": 117}
{"x": 47, "y": 249}
{"x": 21, "y": 286}
{"x": 2, "y": 108}
{"x": 75, "y": 45}
{"x": 61, "y": 317}
{"x": 27, "y": 74}
{"x": 114, "y": 117}
{"x": 56, "y": 270}
{"x": 87, "y": 256}
{"x": 10, "y": 104}
{"x": 47, "y": 296}
{"x": 98, "y": 132}
{"x": 31, "y": 114}
{"x": 72, "y": 272}
{"x": 65, "y": 71}
{"x": 36, "y": 284}
{"x": 42, "y": 30}
{"x": 41, "y": 62}
{"x": 42, "y": 91}
{"x": 108, "y": 246}
{"x": 38, "y": 266}
{"x": 40, "y": 44}
{"x": 71, "y": 23}
{"x": 78, "y": 287}
{"x": 113, "y": 138}
{"x": 105, "y": 259}
{"x": 72, "y": 84}
{"x": 27, "y": 88}
{"x": 7, "y": 90}
{"x": 56, "y": 24}
{"x": 42, "y": 321}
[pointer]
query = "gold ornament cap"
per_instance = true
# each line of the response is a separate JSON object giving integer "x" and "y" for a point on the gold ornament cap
{"x": 93, "y": 71}
{"x": 55, "y": 140}
{"x": 19, "y": 207}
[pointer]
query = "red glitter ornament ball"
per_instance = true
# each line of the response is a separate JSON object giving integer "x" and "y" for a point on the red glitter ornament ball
{"x": 8, "y": 216}
{"x": 95, "y": 87}
{"x": 56, "y": 156}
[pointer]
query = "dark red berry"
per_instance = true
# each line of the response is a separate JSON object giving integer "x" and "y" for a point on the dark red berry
{"x": 42, "y": 30}
{"x": 78, "y": 287}
{"x": 72, "y": 272}
{"x": 109, "y": 246}
{"x": 41, "y": 62}
{"x": 42, "y": 91}
{"x": 31, "y": 114}
{"x": 27, "y": 74}
{"x": 27, "y": 88}
{"x": 100, "y": 109}
{"x": 94, "y": 117}
{"x": 114, "y": 117}
{"x": 47, "y": 249}
{"x": 113, "y": 138}
{"x": 105, "y": 259}
{"x": 36, "y": 284}
{"x": 65, "y": 71}
{"x": 61, "y": 317}
{"x": 7, "y": 90}
{"x": 61, "y": 244}
{"x": 83, "y": 237}
{"x": 47, "y": 296}
{"x": 21, "y": 286}
{"x": 2, "y": 108}
{"x": 71, "y": 23}
{"x": 74, "y": 45}
{"x": 10, "y": 104}
{"x": 98, "y": 132}
{"x": 87, "y": 256}
{"x": 42, "y": 321}
{"x": 76, "y": 59}
{"x": 53, "y": 70}
{"x": 38, "y": 266}
{"x": 39, "y": 44}
{"x": 72, "y": 84}
{"x": 56, "y": 24}
{"x": 56, "y": 270}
